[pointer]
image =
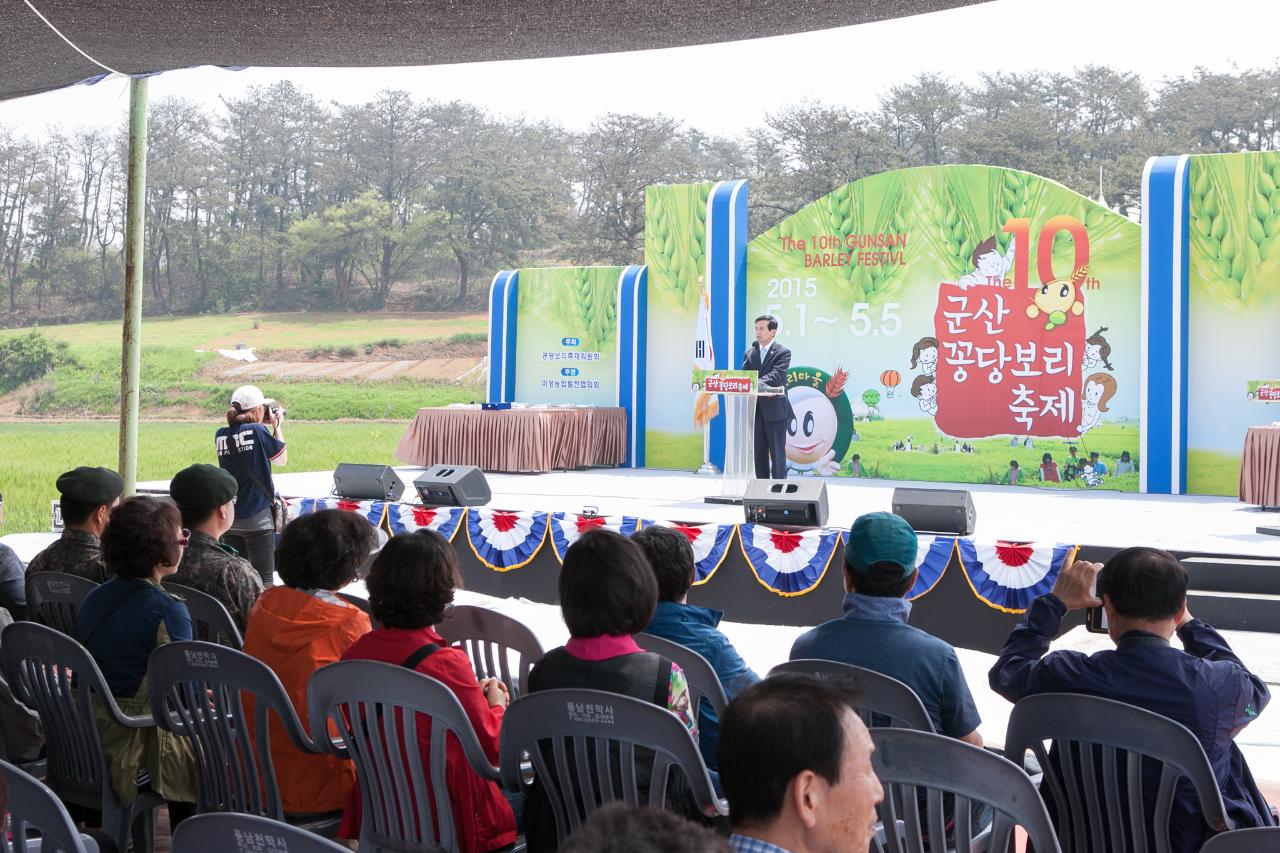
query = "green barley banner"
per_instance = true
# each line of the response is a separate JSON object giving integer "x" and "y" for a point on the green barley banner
{"x": 957, "y": 323}
{"x": 1234, "y": 292}
{"x": 567, "y": 335}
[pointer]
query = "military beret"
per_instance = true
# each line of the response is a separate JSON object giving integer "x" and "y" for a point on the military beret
{"x": 91, "y": 485}
{"x": 202, "y": 486}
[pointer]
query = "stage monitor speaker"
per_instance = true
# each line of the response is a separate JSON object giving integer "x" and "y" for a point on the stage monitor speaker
{"x": 936, "y": 510}
{"x": 453, "y": 485}
{"x": 801, "y": 502}
{"x": 367, "y": 482}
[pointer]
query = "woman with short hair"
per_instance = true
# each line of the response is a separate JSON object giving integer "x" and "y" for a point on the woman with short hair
{"x": 411, "y": 585}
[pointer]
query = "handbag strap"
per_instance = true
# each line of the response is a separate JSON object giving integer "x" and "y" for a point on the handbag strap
{"x": 115, "y": 605}
{"x": 419, "y": 655}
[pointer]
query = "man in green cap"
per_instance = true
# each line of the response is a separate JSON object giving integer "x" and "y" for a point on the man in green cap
{"x": 87, "y": 497}
{"x": 206, "y": 495}
{"x": 879, "y": 570}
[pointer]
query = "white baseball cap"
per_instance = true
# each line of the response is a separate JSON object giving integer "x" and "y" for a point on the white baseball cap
{"x": 249, "y": 397}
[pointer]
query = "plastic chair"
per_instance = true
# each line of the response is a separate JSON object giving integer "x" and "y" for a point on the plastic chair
{"x": 704, "y": 683}
{"x": 57, "y": 676}
{"x": 489, "y": 638}
{"x": 218, "y": 833}
{"x": 1262, "y": 840}
{"x": 372, "y": 704}
{"x": 362, "y": 603}
{"x": 198, "y": 690}
{"x": 1100, "y": 747}
{"x": 588, "y": 757}
{"x": 54, "y": 598}
{"x": 917, "y": 768}
{"x": 881, "y": 696}
{"x": 210, "y": 617}
{"x": 33, "y": 806}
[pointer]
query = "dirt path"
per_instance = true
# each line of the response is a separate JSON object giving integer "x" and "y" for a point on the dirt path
{"x": 433, "y": 369}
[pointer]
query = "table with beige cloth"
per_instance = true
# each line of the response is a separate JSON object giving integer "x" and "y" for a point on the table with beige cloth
{"x": 1260, "y": 467}
{"x": 517, "y": 440}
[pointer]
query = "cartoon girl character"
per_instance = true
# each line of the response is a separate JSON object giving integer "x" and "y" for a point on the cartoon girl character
{"x": 811, "y": 433}
{"x": 1099, "y": 388}
{"x": 989, "y": 266}
{"x": 1056, "y": 299}
{"x": 925, "y": 353}
{"x": 1097, "y": 351}
{"x": 925, "y": 390}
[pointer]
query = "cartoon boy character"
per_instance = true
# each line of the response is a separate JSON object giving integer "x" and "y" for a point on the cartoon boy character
{"x": 989, "y": 266}
{"x": 811, "y": 433}
{"x": 1097, "y": 351}
{"x": 925, "y": 390}
{"x": 925, "y": 353}
{"x": 1099, "y": 388}
{"x": 1056, "y": 299}
{"x": 1091, "y": 477}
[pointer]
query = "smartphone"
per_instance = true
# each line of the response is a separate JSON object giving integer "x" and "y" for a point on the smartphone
{"x": 1095, "y": 618}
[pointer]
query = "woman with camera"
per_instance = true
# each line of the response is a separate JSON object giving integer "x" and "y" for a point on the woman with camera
{"x": 250, "y": 443}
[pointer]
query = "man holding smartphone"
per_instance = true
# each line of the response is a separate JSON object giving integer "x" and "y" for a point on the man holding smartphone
{"x": 1203, "y": 685}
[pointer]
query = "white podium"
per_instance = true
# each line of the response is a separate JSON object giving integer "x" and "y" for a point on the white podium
{"x": 739, "y": 388}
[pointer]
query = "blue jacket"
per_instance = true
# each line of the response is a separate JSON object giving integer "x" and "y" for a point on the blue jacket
{"x": 1205, "y": 687}
{"x": 695, "y": 628}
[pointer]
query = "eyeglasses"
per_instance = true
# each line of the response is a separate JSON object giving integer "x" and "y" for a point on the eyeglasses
{"x": 184, "y": 538}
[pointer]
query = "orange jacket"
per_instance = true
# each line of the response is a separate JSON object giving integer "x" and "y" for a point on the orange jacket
{"x": 295, "y": 633}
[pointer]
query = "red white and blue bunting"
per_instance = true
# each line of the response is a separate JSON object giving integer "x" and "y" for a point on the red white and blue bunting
{"x": 932, "y": 559}
{"x": 566, "y": 527}
{"x": 710, "y": 543}
{"x": 785, "y": 561}
{"x": 445, "y": 520}
{"x": 504, "y": 540}
{"x": 1010, "y": 575}
{"x": 373, "y": 511}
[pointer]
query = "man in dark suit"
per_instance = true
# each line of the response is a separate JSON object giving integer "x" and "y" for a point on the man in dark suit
{"x": 770, "y": 359}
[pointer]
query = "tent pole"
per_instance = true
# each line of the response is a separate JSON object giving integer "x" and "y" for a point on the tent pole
{"x": 131, "y": 343}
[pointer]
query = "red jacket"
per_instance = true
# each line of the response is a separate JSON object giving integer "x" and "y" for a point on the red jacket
{"x": 481, "y": 813}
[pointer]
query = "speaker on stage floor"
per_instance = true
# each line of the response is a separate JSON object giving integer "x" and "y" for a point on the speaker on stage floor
{"x": 453, "y": 485}
{"x": 367, "y": 482}
{"x": 802, "y": 502}
{"x": 936, "y": 510}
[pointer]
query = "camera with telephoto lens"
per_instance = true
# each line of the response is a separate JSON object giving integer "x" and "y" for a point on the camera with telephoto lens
{"x": 278, "y": 412}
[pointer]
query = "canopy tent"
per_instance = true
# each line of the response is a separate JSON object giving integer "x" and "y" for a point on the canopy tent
{"x": 140, "y": 36}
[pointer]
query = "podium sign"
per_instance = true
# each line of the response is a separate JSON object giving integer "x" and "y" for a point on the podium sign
{"x": 727, "y": 382}
{"x": 739, "y": 389}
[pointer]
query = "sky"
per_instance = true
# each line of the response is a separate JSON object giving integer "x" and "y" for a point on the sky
{"x": 849, "y": 66}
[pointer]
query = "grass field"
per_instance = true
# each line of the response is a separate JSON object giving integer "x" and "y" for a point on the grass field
{"x": 1213, "y": 473}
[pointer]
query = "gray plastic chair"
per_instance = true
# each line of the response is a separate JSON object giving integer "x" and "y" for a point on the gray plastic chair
{"x": 374, "y": 707}
{"x": 57, "y": 676}
{"x": 54, "y": 599}
{"x": 489, "y": 638}
{"x": 1100, "y": 746}
{"x": 577, "y": 739}
{"x": 1262, "y": 840}
{"x": 198, "y": 690}
{"x": 881, "y": 696}
{"x": 32, "y": 806}
{"x": 209, "y": 616}
{"x": 704, "y": 683}
{"x": 219, "y": 833}
{"x": 362, "y": 603}
{"x": 917, "y": 768}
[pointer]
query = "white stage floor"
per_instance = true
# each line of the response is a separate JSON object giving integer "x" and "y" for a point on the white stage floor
{"x": 1020, "y": 514}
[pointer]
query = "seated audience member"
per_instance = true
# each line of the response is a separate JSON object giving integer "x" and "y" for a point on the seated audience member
{"x": 879, "y": 569}
{"x": 641, "y": 830}
{"x": 297, "y": 628}
{"x": 87, "y": 497}
{"x": 13, "y": 578}
{"x": 607, "y": 594}
{"x": 671, "y": 559}
{"x": 206, "y": 495}
{"x": 121, "y": 622}
{"x": 1203, "y": 686}
{"x": 411, "y": 586}
{"x": 795, "y": 762}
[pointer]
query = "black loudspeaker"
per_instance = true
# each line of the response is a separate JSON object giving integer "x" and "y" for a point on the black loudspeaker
{"x": 367, "y": 482}
{"x": 453, "y": 485}
{"x": 802, "y": 502}
{"x": 936, "y": 510}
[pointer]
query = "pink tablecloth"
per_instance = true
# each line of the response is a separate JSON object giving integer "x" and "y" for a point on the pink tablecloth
{"x": 516, "y": 440}
{"x": 1260, "y": 467}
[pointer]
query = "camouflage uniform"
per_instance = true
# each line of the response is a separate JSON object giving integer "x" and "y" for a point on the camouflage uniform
{"x": 217, "y": 570}
{"x": 78, "y": 552}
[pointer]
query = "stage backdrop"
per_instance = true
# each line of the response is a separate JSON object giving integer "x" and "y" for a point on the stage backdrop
{"x": 945, "y": 321}
{"x": 1233, "y": 273}
{"x": 567, "y": 335}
